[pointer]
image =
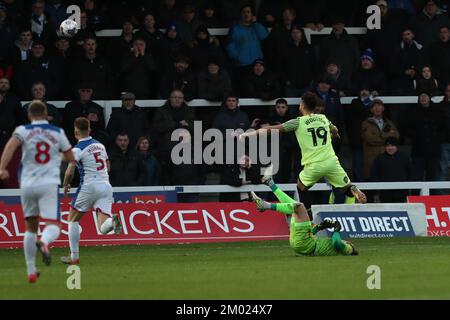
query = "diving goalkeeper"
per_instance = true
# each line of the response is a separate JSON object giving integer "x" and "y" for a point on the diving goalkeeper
{"x": 302, "y": 239}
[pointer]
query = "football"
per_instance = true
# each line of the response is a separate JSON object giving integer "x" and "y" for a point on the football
{"x": 69, "y": 28}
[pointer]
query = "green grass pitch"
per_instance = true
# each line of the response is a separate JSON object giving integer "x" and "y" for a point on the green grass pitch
{"x": 410, "y": 269}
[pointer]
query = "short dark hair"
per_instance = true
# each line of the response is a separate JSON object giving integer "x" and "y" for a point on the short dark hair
{"x": 309, "y": 100}
{"x": 281, "y": 101}
{"x": 82, "y": 124}
{"x": 444, "y": 26}
{"x": 247, "y": 5}
{"x": 37, "y": 108}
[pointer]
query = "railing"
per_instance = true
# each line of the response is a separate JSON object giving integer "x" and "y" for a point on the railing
{"x": 108, "y": 105}
{"x": 424, "y": 188}
{"x": 224, "y": 31}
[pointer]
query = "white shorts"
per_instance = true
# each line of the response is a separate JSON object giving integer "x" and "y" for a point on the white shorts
{"x": 41, "y": 201}
{"x": 98, "y": 196}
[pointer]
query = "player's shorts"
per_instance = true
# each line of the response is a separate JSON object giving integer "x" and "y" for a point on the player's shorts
{"x": 98, "y": 196}
{"x": 41, "y": 201}
{"x": 301, "y": 238}
{"x": 330, "y": 169}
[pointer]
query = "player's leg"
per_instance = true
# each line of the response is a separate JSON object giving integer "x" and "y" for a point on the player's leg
{"x": 281, "y": 196}
{"x": 106, "y": 221}
{"x": 308, "y": 177}
{"x": 74, "y": 237}
{"x": 343, "y": 247}
{"x": 31, "y": 213}
{"x": 339, "y": 179}
{"x": 49, "y": 208}
{"x": 80, "y": 205}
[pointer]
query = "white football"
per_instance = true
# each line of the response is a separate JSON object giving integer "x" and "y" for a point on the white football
{"x": 68, "y": 28}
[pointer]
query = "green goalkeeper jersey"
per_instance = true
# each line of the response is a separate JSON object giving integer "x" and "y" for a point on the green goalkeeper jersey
{"x": 314, "y": 137}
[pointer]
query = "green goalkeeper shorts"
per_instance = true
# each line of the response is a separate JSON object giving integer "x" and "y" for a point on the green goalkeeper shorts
{"x": 330, "y": 169}
{"x": 301, "y": 237}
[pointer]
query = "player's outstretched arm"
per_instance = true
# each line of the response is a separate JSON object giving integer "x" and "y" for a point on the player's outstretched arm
{"x": 7, "y": 155}
{"x": 68, "y": 176}
{"x": 265, "y": 130}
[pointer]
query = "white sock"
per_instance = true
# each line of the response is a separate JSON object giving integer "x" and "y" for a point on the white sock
{"x": 74, "y": 240}
{"x": 50, "y": 234}
{"x": 29, "y": 248}
{"x": 107, "y": 226}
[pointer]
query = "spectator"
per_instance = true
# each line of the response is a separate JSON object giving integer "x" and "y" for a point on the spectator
{"x": 187, "y": 172}
{"x": 339, "y": 82}
{"x": 210, "y": 17}
{"x": 81, "y": 108}
{"x": 440, "y": 55}
{"x": 407, "y": 59}
{"x": 8, "y": 34}
{"x": 38, "y": 91}
{"x": 355, "y": 114}
{"x": 153, "y": 171}
{"x": 405, "y": 5}
{"x": 270, "y": 12}
{"x": 260, "y": 83}
{"x": 297, "y": 64}
{"x": 230, "y": 116}
{"x": 63, "y": 57}
{"x": 56, "y": 12}
{"x": 312, "y": 14}
{"x": 244, "y": 41}
{"x": 168, "y": 11}
{"x": 173, "y": 47}
{"x": 214, "y": 84}
{"x": 279, "y": 38}
{"x": 280, "y": 114}
{"x": 333, "y": 107}
{"x": 384, "y": 40}
{"x": 174, "y": 114}
{"x": 41, "y": 25}
{"x": 129, "y": 119}
{"x": 375, "y": 131}
{"x": 98, "y": 132}
{"x": 204, "y": 48}
{"x": 445, "y": 158}
{"x": 369, "y": 76}
{"x": 392, "y": 166}
{"x": 428, "y": 22}
{"x": 426, "y": 130}
{"x": 139, "y": 71}
{"x": 237, "y": 175}
{"x": 85, "y": 31}
{"x": 340, "y": 47}
{"x": 230, "y": 10}
{"x": 179, "y": 78}
{"x": 96, "y": 19}
{"x": 426, "y": 83}
{"x": 188, "y": 24}
{"x": 93, "y": 69}
{"x": 127, "y": 167}
{"x": 152, "y": 35}
{"x": 11, "y": 114}
{"x": 123, "y": 45}
{"x": 38, "y": 68}
{"x": 22, "y": 46}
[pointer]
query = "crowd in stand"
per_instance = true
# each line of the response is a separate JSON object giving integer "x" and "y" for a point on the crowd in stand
{"x": 265, "y": 56}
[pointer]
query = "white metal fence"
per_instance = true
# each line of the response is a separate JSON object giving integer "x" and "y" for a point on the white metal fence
{"x": 424, "y": 188}
{"x": 220, "y": 32}
{"x": 108, "y": 105}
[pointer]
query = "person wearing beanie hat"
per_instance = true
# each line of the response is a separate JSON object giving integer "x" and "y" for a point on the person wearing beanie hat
{"x": 203, "y": 47}
{"x": 392, "y": 166}
{"x": 369, "y": 76}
